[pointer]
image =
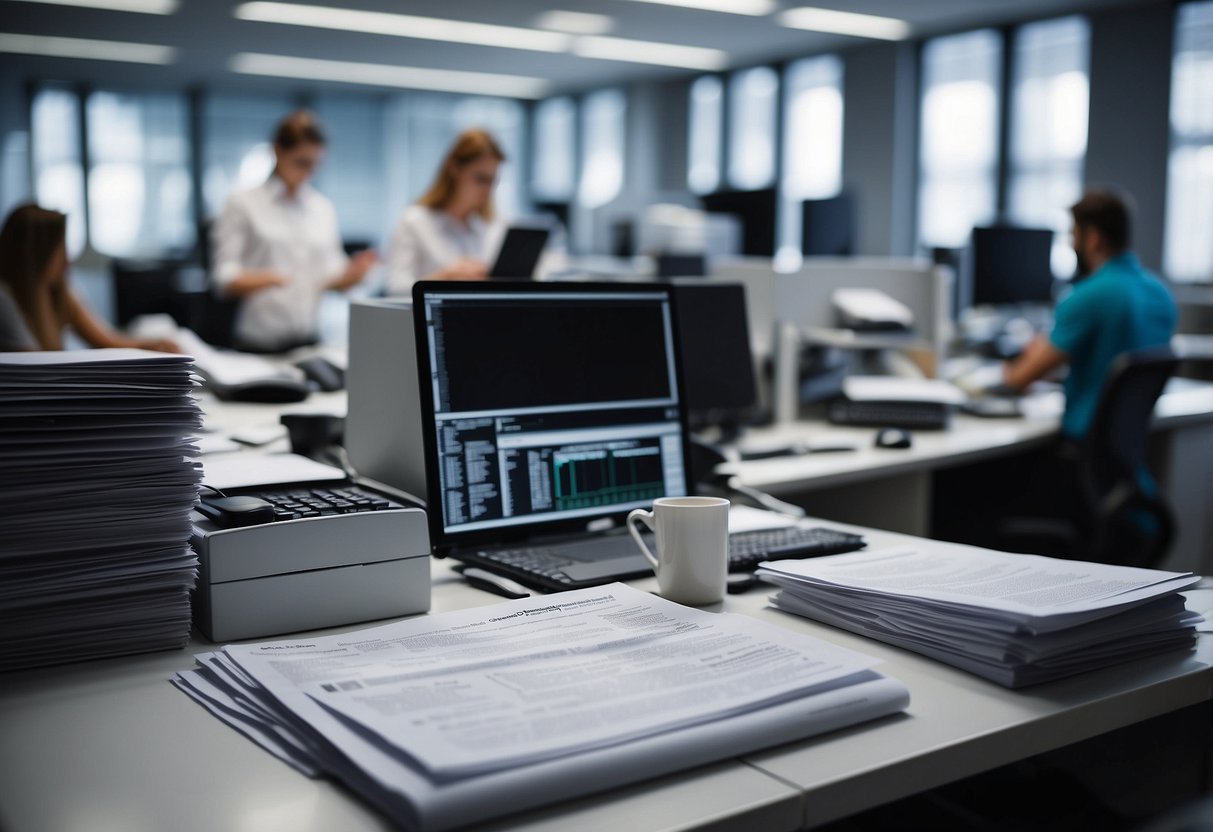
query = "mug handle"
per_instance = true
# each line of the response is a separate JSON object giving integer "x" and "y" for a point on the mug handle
{"x": 645, "y": 517}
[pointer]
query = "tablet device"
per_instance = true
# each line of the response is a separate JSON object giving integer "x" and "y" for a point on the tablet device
{"x": 519, "y": 253}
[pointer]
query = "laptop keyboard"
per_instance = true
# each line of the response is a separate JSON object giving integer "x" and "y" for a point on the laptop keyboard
{"x": 549, "y": 566}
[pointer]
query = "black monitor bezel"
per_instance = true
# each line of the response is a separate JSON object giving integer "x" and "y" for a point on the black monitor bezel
{"x": 442, "y": 541}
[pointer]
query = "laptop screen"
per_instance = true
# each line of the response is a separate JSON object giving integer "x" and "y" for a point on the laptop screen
{"x": 546, "y": 405}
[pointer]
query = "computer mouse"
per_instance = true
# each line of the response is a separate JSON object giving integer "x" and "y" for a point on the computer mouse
{"x": 235, "y": 512}
{"x": 264, "y": 390}
{"x": 893, "y": 438}
{"x": 327, "y": 375}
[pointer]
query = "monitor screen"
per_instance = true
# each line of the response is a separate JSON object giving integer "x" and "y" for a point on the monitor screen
{"x": 1012, "y": 265}
{"x": 546, "y": 405}
{"x": 714, "y": 342}
{"x": 755, "y": 209}
{"x": 828, "y": 227}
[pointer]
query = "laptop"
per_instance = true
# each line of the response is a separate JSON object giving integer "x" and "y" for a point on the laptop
{"x": 549, "y": 411}
{"x": 519, "y": 253}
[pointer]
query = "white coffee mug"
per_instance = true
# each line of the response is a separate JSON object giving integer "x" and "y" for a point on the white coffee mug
{"x": 692, "y": 560}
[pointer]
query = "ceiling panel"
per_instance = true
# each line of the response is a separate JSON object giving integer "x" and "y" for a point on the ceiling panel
{"x": 207, "y": 35}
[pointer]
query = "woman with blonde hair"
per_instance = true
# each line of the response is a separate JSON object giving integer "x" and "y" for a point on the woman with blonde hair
{"x": 36, "y": 302}
{"x": 451, "y": 232}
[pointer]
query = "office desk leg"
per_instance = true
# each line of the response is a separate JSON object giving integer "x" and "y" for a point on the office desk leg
{"x": 900, "y": 503}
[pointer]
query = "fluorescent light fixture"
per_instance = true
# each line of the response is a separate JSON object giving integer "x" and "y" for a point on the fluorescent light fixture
{"x": 404, "y": 25}
{"x": 384, "y": 75}
{"x": 142, "y": 6}
{"x": 756, "y": 8}
{"x": 649, "y": 52}
{"x": 484, "y": 34}
{"x": 845, "y": 23}
{"x": 94, "y": 50}
{"x": 577, "y": 23}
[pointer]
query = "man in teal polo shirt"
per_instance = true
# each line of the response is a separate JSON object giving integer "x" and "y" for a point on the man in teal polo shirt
{"x": 1117, "y": 307}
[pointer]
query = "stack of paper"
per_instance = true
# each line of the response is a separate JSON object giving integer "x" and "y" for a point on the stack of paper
{"x": 447, "y": 719}
{"x": 1014, "y": 619}
{"x": 96, "y": 484}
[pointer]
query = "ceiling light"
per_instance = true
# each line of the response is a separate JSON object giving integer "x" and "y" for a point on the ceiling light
{"x": 384, "y": 75}
{"x": 577, "y": 23}
{"x": 96, "y": 50}
{"x": 845, "y": 23}
{"x": 756, "y": 8}
{"x": 649, "y": 52}
{"x": 143, "y": 6}
{"x": 403, "y": 25}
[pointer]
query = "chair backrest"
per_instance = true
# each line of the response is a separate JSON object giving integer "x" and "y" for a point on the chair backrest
{"x": 1113, "y": 456}
{"x": 143, "y": 287}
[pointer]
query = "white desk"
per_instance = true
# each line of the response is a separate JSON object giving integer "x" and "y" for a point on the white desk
{"x": 891, "y": 489}
{"x": 111, "y": 745}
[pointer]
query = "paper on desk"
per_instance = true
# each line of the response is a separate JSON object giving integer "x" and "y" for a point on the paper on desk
{"x": 1029, "y": 590}
{"x": 893, "y": 388}
{"x": 251, "y": 470}
{"x": 413, "y": 799}
{"x": 538, "y": 678}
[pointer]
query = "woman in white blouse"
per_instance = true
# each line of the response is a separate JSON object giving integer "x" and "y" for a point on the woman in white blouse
{"x": 451, "y": 233}
{"x": 277, "y": 246}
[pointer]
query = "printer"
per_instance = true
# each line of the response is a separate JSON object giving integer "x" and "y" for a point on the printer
{"x": 294, "y": 573}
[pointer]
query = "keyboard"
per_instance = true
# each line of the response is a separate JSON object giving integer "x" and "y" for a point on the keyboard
{"x": 748, "y": 549}
{"x": 878, "y": 414}
{"x": 295, "y": 503}
{"x": 550, "y": 567}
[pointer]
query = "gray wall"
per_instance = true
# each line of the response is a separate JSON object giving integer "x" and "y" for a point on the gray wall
{"x": 1129, "y": 126}
{"x": 880, "y": 119}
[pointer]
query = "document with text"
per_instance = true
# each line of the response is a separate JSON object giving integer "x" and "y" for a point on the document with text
{"x": 444, "y": 719}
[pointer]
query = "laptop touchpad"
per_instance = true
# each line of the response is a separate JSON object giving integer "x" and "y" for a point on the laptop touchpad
{"x": 614, "y": 568}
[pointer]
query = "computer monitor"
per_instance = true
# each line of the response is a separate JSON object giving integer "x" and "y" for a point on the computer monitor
{"x": 828, "y": 227}
{"x": 714, "y": 343}
{"x": 1011, "y": 265}
{"x": 755, "y": 209}
{"x": 546, "y": 406}
{"x": 681, "y": 265}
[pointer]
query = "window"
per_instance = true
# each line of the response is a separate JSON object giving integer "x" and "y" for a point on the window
{"x": 58, "y": 163}
{"x": 420, "y": 128}
{"x": 351, "y": 175}
{"x": 812, "y": 143}
{"x": 1188, "y": 246}
{"x": 139, "y": 183}
{"x": 958, "y": 143}
{"x": 1049, "y": 129}
{"x": 237, "y": 148}
{"x": 553, "y": 169}
{"x": 706, "y": 118}
{"x": 752, "y": 101}
{"x": 603, "y": 116}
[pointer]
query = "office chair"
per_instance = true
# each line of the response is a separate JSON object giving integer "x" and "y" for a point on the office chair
{"x": 1121, "y": 519}
{"x": 143, "y": 287}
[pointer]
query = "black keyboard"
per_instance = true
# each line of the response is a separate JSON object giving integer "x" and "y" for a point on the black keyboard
{"x": 551, "y": 567}
{"x": 748, "y": 549}
{"x": 875, "y": 414}
{"x": 295, "y": 503}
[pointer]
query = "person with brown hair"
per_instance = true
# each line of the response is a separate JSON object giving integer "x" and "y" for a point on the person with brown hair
{"x": 1114, "y": 307}
{"x": 278, "y": 248}
{"x": 451, "y": 232}
{"x": 34, "y": 289}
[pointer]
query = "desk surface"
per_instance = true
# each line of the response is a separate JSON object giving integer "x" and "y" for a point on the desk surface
{"x": 969, "y": 439}
{"x": 112, "y": 745}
